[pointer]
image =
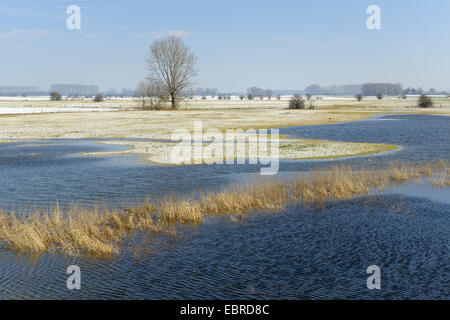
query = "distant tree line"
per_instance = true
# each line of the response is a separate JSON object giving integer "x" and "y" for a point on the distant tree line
{"x": 381, "y": 89}
{"x": 255, "y": 92}
{"x": 9, "y": 91}
{"x": 316, "y": 89}
{"x": 413, "y": 91}
{"x": 369, "y": 89}
{"x": 206, "y": 92}
{"x": 75, "y": 89}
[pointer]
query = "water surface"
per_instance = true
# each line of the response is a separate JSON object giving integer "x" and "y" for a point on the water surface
{"x": 296, "y": 254}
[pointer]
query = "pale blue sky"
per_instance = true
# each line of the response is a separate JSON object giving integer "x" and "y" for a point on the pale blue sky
{"x": 271, "y": 44}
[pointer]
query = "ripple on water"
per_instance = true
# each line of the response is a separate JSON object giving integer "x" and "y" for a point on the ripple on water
{"x": 300, "y": 254}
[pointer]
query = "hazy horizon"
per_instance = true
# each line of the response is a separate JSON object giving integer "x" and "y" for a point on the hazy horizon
{"x": 282, "y": 45}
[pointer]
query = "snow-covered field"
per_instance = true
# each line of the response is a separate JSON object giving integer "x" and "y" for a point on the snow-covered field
{"x": 34, "y": 105}
{"x": 47, "y": 98}
{"x": 42, "y": 104}
{"x": 37, "y": 98}
{"x": 28, "y": 110}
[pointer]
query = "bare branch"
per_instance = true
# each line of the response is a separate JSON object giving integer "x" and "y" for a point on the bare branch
{"x": 171, "y": 65}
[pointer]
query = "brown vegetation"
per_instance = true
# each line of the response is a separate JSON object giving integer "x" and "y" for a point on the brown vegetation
{"x": 424, "y": 102}
{"x": 101, "y": 232}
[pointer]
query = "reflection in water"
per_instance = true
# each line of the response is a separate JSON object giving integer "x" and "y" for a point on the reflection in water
{"x": 297, "y": 254}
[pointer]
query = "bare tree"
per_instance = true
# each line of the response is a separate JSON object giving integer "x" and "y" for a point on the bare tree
{"x": 98, "y": 98}
{"x": 152, "y": 93}
{"x": 141, "y": 93}
{"x": 55, "y": 96}
{"x": 171, "y": 65}
{"x": 158, "y": 95}
{"x": 297, "y": 102}
{"x": 424, "y": 101}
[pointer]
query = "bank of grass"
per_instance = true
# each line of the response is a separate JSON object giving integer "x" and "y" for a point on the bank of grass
{"x": 331, "y": 149}
{"x": 98, "y": 232}
{"x": 158, "y": 153}
{"x": 441, "y": 178}
{"x": 131, "y": 124}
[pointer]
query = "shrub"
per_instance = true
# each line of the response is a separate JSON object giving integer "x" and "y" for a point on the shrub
{"x": 379, "y": 96}
{"x": 278, "y": 97}
{"x": 424, "y": 102}
{"x": 250, "y": 96}
{"x": 55, "y": 96}
{"x": 241, "y": 97}
{"x": 297, "y": 102}
{"x": 359, "y": 97}
{"x": 308, "y": 96}
{"x": 98, "y": 98}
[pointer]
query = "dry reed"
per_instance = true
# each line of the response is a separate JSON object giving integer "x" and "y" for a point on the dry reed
{"x": 100, "y": 233}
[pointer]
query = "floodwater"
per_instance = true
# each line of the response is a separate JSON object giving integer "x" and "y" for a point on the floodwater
{"x": 296, "y": 254}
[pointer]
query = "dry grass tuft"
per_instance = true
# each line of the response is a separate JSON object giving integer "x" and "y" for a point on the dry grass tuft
{"x": 76, "y": 231}
{"x": 262, "y": 195}
{"x": 100, "y": 233}
{"x": 442, "y": 177}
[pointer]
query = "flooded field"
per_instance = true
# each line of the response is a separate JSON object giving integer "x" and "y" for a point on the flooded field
{"x": 301, "y": 253}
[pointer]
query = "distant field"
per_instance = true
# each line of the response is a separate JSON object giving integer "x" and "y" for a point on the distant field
{"x": 40, "y": 104}
{"x": 128, "y": 122}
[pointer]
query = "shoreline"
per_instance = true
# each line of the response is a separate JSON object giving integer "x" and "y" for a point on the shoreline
{"x": 157, "y": 153}
{"x": 100, "y": 232}
{"x": 159, "y": 125}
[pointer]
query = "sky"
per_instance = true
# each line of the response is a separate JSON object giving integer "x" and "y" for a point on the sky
{"x": 270, "y": 44}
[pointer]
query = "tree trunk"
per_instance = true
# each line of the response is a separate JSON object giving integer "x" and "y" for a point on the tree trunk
{"x": 174, "y": 103}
